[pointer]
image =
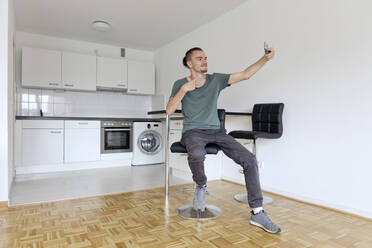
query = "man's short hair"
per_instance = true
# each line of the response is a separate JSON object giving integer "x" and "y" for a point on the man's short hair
{"x": 188, "y": 55}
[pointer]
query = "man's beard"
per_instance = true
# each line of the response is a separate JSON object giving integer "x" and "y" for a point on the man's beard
{"x": 203, "y": 70}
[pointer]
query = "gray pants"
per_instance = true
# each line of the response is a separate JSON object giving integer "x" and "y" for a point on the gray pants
{"x": 196, "y": 139}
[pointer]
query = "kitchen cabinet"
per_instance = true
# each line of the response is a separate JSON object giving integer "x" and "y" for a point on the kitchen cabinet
{"x": 111, "y": 73}
{"x": 42, "y": 144}
{"x": 82, "y": 141}
{"x": 78, "y": 71}
{"x": 177, "y": 160}
{"x": 41, "y": 68}
{"x": 141, "y": 78}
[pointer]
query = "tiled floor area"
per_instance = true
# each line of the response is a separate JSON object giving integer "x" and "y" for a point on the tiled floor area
{"x": 45, "y": 187}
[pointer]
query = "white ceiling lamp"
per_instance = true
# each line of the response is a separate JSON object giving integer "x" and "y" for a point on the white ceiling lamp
{"x": 101, "y": 26}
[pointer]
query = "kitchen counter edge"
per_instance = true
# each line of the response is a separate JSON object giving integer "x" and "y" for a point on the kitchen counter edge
{"x": 157, "y": 119}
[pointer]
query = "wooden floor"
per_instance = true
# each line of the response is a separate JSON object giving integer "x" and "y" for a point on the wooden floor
{"x": 140, "y": 219}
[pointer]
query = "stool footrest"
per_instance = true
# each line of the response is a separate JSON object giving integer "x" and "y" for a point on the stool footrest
{"x": 188, "y": 212}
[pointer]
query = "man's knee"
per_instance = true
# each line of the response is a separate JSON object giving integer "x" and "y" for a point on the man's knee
{"x": 196, "y": 154}
{"x": 247, "y": 159}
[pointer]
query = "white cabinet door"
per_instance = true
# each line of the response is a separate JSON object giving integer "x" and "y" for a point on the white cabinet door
{"x": 41, "y": 68}
{"x": 213, "y": 166}
{"x": 42, "y": 146}
{"x": 78, "y": 71}
{"x": 141, "y": 78}
{"x": 111, "y": 73}
{"x": 176, "y": 160}
{"x": 82, "y": 141}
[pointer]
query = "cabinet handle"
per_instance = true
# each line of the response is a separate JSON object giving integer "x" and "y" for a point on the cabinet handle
{"x": 55, "y": 131}
{"x": 69, "y": 85}
{"x": 171, "y": 133}
{"x": 56, "y": 84}
{"x": 183, "y": 154}
{"x": 133, "y": 90}
{"x": 83, "y": 123}
{"x": 122, "y": 85}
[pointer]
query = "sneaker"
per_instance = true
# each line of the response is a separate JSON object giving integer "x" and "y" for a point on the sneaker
{"x": 262, "y": 220}
{"x": 199, "y": 198}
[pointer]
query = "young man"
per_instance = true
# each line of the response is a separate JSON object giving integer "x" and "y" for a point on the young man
{"x": 199, "y": 94}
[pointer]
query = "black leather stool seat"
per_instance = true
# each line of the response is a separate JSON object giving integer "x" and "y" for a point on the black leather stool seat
{"x": 266, "y": 122}
{"x": 253, "y": 135}
{"x": 177, "y": 147}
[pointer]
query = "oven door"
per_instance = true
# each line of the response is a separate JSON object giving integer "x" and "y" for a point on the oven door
{"x": 116, "y": 140}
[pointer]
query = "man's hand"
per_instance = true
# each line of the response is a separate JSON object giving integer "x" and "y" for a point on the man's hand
{"x": 192, "y": 84}
{"x": 270, "y": 54}
{"x": 189, "y": 86}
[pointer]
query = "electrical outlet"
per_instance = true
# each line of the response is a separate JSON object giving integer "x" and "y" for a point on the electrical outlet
{"x": 260, "y": 164}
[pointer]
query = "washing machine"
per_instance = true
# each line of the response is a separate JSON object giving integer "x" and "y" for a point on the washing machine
{"x": 148, "y": 143}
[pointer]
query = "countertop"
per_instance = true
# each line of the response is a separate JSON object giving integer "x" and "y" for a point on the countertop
{"x": 157, "y": 119}
{"x": 178, "y": 116}
{"x": 180, "y": 112}
{"x": 85, "y": 118}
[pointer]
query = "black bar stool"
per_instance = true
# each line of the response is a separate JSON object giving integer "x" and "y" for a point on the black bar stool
{"x": 211, "y": 211}
{"x": 266, "y": 124}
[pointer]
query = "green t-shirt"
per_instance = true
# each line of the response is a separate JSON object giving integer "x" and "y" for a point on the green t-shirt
{"x": 199, "y": 106}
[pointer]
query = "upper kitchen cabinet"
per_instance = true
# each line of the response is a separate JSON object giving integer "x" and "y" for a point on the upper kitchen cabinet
{"x": 111, "y": 73}
{"x": 141, "y": 78}
{"x": 41, "y": 68}
{"x": 78, "y": 71}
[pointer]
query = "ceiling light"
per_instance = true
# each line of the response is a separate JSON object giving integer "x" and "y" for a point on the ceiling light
{"x": 101, "y": 26}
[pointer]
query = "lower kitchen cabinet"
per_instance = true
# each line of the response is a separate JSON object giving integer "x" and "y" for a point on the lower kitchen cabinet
{"x": 82, "y": 141}
{"x": 42, "y": 144}
{"x": 177, "y": 160}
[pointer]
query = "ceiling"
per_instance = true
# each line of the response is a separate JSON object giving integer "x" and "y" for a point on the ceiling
{"x": 141, "y": 24}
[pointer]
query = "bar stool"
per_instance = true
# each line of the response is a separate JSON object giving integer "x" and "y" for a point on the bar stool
{"x": 211, "y": 211}
{"x": 266, "y": 124}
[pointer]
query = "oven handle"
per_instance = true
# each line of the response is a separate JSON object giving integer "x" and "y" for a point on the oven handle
{"x": 117, "y": 129}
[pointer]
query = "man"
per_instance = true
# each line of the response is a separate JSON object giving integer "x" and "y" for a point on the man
{"x": 199, "y": 93}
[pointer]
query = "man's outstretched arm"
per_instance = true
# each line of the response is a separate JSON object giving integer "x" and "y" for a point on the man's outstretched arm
{"x": 252, "y": 69}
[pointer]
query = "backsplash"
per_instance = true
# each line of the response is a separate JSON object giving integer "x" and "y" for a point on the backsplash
{"x": 84, "y": 104}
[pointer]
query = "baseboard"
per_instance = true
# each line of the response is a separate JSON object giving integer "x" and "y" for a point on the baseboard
{"x": 71, "y": 166}
{"x": 312, "y": 202}
{"x": 3, "y": 204}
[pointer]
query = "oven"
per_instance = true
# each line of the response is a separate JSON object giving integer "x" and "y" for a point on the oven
{"x": 116, "y": 136}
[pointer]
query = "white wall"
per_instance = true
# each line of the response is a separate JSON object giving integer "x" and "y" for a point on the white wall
{"x": 11, "y": 90}
{"x": 4, "y": 100}
{"x": 321, "y": 73}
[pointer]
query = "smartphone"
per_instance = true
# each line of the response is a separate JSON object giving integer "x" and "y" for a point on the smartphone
{"x": 266, "y": 46}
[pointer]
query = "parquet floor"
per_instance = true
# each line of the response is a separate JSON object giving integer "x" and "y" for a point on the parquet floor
{"x": 140, "y": 219}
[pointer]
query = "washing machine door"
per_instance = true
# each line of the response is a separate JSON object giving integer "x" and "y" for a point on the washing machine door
{"x": 149, "y": 142}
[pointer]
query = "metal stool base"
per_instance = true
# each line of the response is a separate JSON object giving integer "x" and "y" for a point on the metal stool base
{"x": 188, "y": 212}
{"x": 244, "y": 198}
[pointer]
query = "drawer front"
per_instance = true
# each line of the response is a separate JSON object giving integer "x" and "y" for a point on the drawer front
{"x": 176, "y": 124}
{"x": 82, "y": 124}
{"x": 37, "y": 124}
